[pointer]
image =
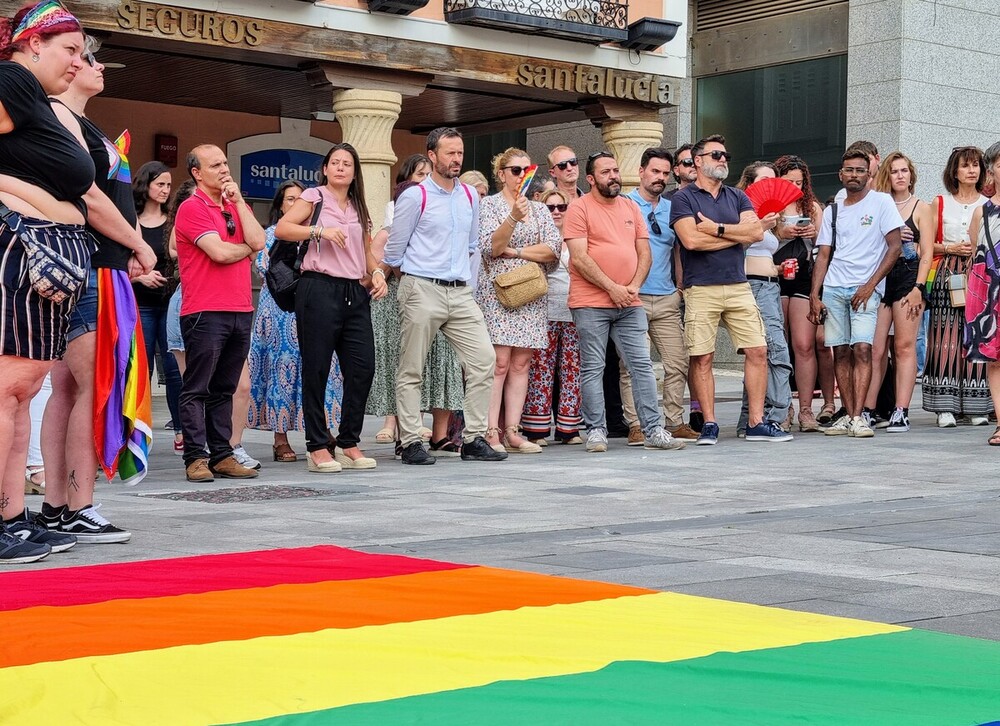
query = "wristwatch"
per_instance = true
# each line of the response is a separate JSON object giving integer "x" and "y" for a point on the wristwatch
{"x": 721, "y": 231}
{"x": 924, "y": 292}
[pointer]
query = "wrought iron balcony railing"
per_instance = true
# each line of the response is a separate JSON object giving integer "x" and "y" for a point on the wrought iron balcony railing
{"x": 587, "y": 21}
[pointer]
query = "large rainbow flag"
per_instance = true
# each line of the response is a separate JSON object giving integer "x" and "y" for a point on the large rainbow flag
{"x": 326, "y": 635}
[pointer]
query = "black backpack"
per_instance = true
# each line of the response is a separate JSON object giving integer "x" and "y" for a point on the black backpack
{"x": 284, "y": 265}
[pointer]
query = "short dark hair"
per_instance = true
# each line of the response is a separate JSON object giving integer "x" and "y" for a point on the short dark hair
{"x": 594, "y": 157}
{"x": 958, "y": 155}
{"x": 865, "y": 147}
{"x": 655, "y": 152}
{"x": 677, "y": 155}
{"x": 700, "y": 145}
{"x": 442, "y": 132}
{"x": 193, "y": 162}
{"x": 853, "y": 153}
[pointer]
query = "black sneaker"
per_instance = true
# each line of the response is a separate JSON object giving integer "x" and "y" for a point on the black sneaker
{"x": 17, "y": 551}
{"x": 91, "y": 528}
{"x": 479, "y": 450}
{"x": 50, "y": 517}
{"x": 397, "y": 453}
{"x": 415, "y": 453}
{"x": 445, "y": 448}
{"x": 696, "y": 421}
{"x": 30, "y": 531}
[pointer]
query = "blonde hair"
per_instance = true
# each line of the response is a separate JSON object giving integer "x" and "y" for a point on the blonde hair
{"x": 502, "y": 159}
{"x": 883, "y": 177}
{"x": 561, "y": 147}
{"x": 552, "y": 193}
{"x": 474, "y": 179}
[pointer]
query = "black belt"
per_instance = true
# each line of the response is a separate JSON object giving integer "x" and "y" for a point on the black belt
{"x": 762, "y": 278}
{"x": 442, "y": 283}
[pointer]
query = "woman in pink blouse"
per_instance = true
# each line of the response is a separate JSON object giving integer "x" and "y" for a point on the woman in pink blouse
{"x": 332, "y": 306}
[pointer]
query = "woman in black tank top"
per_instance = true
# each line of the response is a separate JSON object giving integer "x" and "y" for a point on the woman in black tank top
{"x": 902, "y": 305}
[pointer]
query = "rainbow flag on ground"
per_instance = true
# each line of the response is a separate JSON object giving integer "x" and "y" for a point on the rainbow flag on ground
{"x": 123, "y": 414}
{"x": 326, "y": 635}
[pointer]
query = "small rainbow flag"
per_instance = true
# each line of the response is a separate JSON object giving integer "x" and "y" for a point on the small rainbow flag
{"x": 529, "y": 176}
{"x": 326, "y": 635}
{"x": 118, "y": 152}
{"x": 123, "y": 417}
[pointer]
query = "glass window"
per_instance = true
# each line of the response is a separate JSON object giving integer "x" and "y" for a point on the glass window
{"x": 480, "y": 150}
{"x": 797, "y": 108}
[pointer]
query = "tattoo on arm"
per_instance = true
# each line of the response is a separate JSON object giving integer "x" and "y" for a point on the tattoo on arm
{"x": 72, "y": 481}
{"x": 4, "y": 502}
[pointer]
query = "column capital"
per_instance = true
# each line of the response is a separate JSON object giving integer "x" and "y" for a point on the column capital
{"x": 627, "y": 140}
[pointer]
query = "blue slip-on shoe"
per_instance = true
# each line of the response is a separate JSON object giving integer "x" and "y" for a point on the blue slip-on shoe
{"x": 768, "y": 431}
{"x": 709, "y": 434}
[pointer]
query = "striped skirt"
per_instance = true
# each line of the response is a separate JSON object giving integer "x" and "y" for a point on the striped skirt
{"x": 32, "y": 326}
{"x": 951, "y": 384}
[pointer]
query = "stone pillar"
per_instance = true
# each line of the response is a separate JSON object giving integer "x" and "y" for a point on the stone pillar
{"x": 367, "y": 119}
{"x": 627, "y": 140}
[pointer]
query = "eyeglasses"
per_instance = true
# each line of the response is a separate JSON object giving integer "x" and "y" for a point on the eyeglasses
{"x": 717, "y": 155}
{"x": 686, "y": 162}
{"x": 854, "y": 170}
{"x": 515, "y": 170}
{"x": 89, "y": 58}
{"x": 654, "y": 226}
{"x": 230, "y": 222}
{"x": 557, "y": 207}
{"x": 564, "y": 165}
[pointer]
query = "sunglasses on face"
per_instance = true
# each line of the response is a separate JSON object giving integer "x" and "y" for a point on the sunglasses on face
{"x": 564, "y": 165}
{"x": 717, "y": 155}
{"x": 516, "y": 170}
{"x": 230, "y": 222}
{"x": 654, "y": 226}
{"x": 686, "y": 162}
{"x": 89, "y": 58}
{"x": 557, "y": 207}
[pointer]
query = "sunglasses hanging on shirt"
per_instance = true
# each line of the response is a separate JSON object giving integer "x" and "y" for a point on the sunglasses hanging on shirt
{"x": 230, "y": 223}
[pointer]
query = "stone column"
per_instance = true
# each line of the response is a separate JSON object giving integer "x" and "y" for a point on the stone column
{"x": 367, "y": 119}
{"x": 627, "y": 140}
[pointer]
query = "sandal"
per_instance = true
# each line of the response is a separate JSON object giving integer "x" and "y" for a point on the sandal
{"x": 497, "y": 446}
{"x": 826, "y": 414}
{"x": 525, "y": 447}
{"x": 994, "y": 440}
{"x": 284, "y": 453}
{"x": 32, "y": 483}
{"x": 385, "y": 436}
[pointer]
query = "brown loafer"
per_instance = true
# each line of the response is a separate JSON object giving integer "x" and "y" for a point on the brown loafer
{"x": 684, "y": 432}
{"x": 229, "y": 468}
{"x": 198, "y": 471}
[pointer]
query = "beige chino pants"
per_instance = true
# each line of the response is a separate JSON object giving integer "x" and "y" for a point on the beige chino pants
{"x": 425, "y": 308}
{"x": 666, "y": 330}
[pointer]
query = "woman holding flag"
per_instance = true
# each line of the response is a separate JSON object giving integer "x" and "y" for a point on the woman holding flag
{"x": 99, "y": 414}
{"x": 513, "y": 232}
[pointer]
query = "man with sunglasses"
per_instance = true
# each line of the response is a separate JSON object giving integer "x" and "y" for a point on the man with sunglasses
{"x": 564, "y": 168}
{"x": 217, "y": 234}
{"x": 715, "y": 224}
{"x": 684, "y": 171}
{"x": 659, "y": 294}
{"x": 609, "y": 250}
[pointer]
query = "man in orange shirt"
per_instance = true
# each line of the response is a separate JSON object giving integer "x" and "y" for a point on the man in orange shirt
{"x": 609, "y": 250}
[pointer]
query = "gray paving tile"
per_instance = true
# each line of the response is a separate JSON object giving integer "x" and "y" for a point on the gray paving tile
{"x": 765, "y": 590}
{"x": 978, "y": 625}
{"x": 601, "y": 560}
{"x": 926, "y": 599}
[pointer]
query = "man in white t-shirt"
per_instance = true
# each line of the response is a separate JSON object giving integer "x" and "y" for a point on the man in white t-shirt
{"x": 856, "y": 252}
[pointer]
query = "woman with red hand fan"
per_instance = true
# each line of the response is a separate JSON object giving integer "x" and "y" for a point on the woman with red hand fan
{"x": 763, "y": 276}
{"x": 796, "y": 235}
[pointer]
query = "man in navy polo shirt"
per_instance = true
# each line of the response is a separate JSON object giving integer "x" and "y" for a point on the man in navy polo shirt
{"x": 715, "y": 224}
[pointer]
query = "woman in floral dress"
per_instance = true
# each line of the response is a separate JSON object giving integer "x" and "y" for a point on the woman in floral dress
{"x": 513, "y": 231}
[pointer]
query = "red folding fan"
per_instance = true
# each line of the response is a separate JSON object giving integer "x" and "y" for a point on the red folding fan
{"x": 772, "y": 195}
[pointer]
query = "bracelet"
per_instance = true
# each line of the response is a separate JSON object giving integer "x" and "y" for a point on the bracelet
{"x": 513, "y": 222}
{"x": 518, "y": 251}
{"x": 378, "y": 271}
{"x": 312, "y": 234}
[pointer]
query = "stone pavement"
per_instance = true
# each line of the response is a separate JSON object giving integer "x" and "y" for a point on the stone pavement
{"x": 902, "y": 528}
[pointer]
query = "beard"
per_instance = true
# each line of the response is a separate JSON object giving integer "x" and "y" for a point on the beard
{"x": 446, "y": 171}
{"x": 610, "y": 190}
{"x": 719, "y": 173}
{"x": 656, "y": 187}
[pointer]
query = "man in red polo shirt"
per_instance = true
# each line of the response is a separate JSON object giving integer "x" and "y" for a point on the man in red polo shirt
{"x": 217, "y": 235}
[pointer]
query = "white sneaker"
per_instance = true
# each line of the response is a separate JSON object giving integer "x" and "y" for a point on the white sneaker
{"x": 244, "y": 459}
{"x": 861, "y": 429}
{"x": 597, "y": 441}
{"x": 899, "y": 422}
{"x": 660, "y": 439}
{"x": 979, "y": 420}
{"x": 840, "y": 427}
{"x": 946, "y": 421}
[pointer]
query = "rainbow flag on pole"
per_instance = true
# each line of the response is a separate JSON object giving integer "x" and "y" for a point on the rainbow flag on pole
{"x": 326, "y": 635}
{"x": 529, "y": 176}
{"x": 123, "y": 416}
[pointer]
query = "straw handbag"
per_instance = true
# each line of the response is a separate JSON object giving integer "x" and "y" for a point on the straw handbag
{"x": 521, "y": 285}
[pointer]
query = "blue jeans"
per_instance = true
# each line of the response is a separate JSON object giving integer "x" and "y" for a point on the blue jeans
{"x": 627, "y": 328}
{"x": 844, "y": 324}
{"x": 154, "y": 332}
{"x": 779, "y": 366}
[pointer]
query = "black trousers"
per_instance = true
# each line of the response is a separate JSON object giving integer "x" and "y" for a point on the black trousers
{"x": 333, "y": 315}
{"x": 216, "y": 345}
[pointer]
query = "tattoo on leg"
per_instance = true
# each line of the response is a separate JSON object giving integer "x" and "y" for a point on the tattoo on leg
{"x": 72, "y": 481}
{"x": 4, "y": 502}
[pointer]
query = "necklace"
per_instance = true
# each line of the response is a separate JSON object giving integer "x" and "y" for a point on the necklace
{"x": 900, "y": 204}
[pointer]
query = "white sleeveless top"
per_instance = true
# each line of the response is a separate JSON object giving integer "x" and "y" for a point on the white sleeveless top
{"x": 957, "y": 217}
{"x": 765, "y": 248}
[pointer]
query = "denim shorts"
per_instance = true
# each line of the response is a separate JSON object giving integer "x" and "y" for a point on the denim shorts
{"x": 844, "y": 325}
{"x": 174, "y": 339}
{"x": 83, "y": 316}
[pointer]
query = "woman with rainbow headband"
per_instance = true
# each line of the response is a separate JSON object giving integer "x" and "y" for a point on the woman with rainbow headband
{"x": 99, "y": 413}
{"x": 41, "y": 192}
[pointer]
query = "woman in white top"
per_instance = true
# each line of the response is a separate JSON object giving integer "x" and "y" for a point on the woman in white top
{"x": 953, "y": 386}
{"x": 763, "y": 276}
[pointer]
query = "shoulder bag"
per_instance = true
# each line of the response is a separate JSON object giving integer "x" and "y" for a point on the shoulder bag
{"x": 285, "y": 264}
{"x": 522, "y": 285}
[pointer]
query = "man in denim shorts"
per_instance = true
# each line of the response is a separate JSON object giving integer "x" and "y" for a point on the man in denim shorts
{"x": 850, "y": 270}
